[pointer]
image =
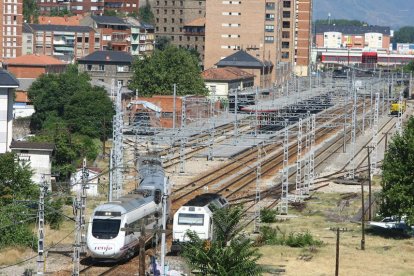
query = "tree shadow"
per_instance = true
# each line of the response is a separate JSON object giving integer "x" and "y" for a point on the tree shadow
{"x": 396, "y": 234}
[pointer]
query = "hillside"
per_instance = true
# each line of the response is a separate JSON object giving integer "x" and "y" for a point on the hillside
{"x": 395, "y": 13}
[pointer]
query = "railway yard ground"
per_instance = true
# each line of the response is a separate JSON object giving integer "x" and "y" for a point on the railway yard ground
{"x": 331, "y": 204}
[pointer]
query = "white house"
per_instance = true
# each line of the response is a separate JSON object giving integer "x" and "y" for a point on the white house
{"x": 93, "y": 181}
{"x": 38, "y": 156}
{"x": 7, "y": 85}
{"x": 220, "y": 81}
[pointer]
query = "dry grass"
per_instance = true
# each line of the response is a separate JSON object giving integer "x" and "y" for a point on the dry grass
{"x": 12, "y": 255}
{"x": 383, "y": 255}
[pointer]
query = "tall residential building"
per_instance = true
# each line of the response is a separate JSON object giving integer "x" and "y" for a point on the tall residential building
{"x": 76, "y": 7}
{"x": 250, "y": 25}
{"x": 182, "y": 21}
{"x": 270, "y": 30}
{"x": 303, "y": 38}
{"x": 11, "y": 12}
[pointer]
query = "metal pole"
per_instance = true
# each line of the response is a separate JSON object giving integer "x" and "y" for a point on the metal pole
{"x": 164, "y": 226}
{"x": 369, "y": 186}
{"x": 337, "y": 253}
{"x": 174, "y": 105}
{"x": 142, "y": 251}
{"x": 110, "y": 176}
{"x": 362, "y": 217}
{"x": 41, "y": 264}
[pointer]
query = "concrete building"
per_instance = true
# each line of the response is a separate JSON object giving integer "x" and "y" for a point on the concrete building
{"x": 122, "y": 6}
{"x": 32, "y": 66}
{"x": 220, "y": 81}
{"x": 303, "y": 37}
{"x": 75, "y": 7}
{"x": 93, "y": 181}
{"x": 38, "y": 156}
{"x": 262, "y": 71}
{"x": 252, "y": 26}
{"x": 64, "y": 42}
{"x": 175, "y": 20}
{"x": 11, "y": 20}
{"x": 142, "y": 37}
{"x": 108, "y": 66}
{"x": 7, "y": 85}
{"x": 113, "y": 30}
{"x": 27, "y": 69}
{"x": 353, "y": 37}
{"x": 27, "y": 40}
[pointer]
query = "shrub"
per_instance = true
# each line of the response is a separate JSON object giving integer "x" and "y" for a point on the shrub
{"x": 275, "y": 236}
{"x": 268, "y": 215}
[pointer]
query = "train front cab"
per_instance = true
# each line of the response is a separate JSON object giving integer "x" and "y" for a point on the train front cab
{"x": 105, "y": 238}
{"x": 195, "y": 219}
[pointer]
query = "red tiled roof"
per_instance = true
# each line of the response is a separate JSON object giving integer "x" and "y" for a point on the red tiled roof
{"x": 225, "y": 74}
{"x": 34, "y": 60}
{"x": 59, "y": 20}
{"x": 21, "y": 97}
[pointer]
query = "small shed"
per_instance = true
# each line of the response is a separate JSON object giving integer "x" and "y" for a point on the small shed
{"x": 92, "y": 182}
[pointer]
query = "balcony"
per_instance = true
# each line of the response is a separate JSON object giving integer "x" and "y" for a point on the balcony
{"x": 120, "y": 38}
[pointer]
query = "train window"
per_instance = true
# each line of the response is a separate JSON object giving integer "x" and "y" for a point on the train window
{"x": 191, "y": 219}
{"x": 105, "y": 228}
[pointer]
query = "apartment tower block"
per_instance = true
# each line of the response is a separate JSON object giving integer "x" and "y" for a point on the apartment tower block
{"x": 270, "y": 30}
{"x": 11, "y": 12}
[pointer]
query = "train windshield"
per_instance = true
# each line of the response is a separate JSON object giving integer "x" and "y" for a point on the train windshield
{"x": 105, "y": 228}
{"x": 191, "y": 219}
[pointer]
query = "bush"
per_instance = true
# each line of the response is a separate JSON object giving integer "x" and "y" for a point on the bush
{"x": 275, "y": 236}
{"x": 268, "y": 215}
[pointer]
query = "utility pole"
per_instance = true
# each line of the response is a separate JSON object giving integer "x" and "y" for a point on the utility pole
{"x": 41, "y": 264}
{"x": 337, "y": 253}
{"x": 164, "y": 224}
{"x": 142, "y": 251}
{"x": 369, "y": 182}
{"x": 85, "y": 177}
{"x": 362, "y": 217}
{"x": 174, "y": 105}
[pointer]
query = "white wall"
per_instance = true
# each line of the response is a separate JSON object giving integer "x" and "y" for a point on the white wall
{"x": 222, "y": 89}
{"x": 93, "y": 181}
{"x": 332, "y": 40}
{"x": 373, "y": 40}
{"x": 6, "y": 118}
{"x": 39, "y": 161}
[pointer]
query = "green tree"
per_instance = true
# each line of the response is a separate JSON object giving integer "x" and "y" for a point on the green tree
{"x": 60, "y": 12}
{"x": 397, "y": 196}
{"x": 30, "y": 11}
{"x": 156, "y": 74}
{"x": 145, "y": 14}
{"x": 404, "y": 35}
{"x": 110, "y": 12}
{"x": 15, "y": 180}
{"x": 229, "y": 253}
{"x": 409, "y": 67}
{"x": 340, "y": 22}
{"x": 162, "y": 43}
{"x": 72, "y": 114}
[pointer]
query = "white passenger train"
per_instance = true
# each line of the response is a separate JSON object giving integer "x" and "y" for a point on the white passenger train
{"x": 106, "y": 240}
{"x": 197, "y": 216}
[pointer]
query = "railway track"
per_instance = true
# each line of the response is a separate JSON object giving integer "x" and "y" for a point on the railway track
{"x": 244, "y": 160}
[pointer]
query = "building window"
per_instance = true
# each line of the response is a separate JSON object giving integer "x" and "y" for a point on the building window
{"x": 172, "y": 20}
{"x": 165, "y": 11}
{"x": 270, "y": 6}
{"x": 286, "y": 14}
{"x": 286, "y": 24}
{"x": 285, "y": 34}
{"x": 89, "y": 67}
{"x": 120, "y": 83}
{"x": 101, "y": 67}
{"x": 165, "y": 20}
{"x": 120, "y": 68}
{"x": 285, "y": 54}
{"x": 79, "y": 39}
{"x": 270, "y": 28}
{"x": 269, "y": 39}
{"x": 172, "y": 29}
{"x": 270, "y": 17}
{"x": 285, "y": 45}
{"x": 286, "y": 4}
